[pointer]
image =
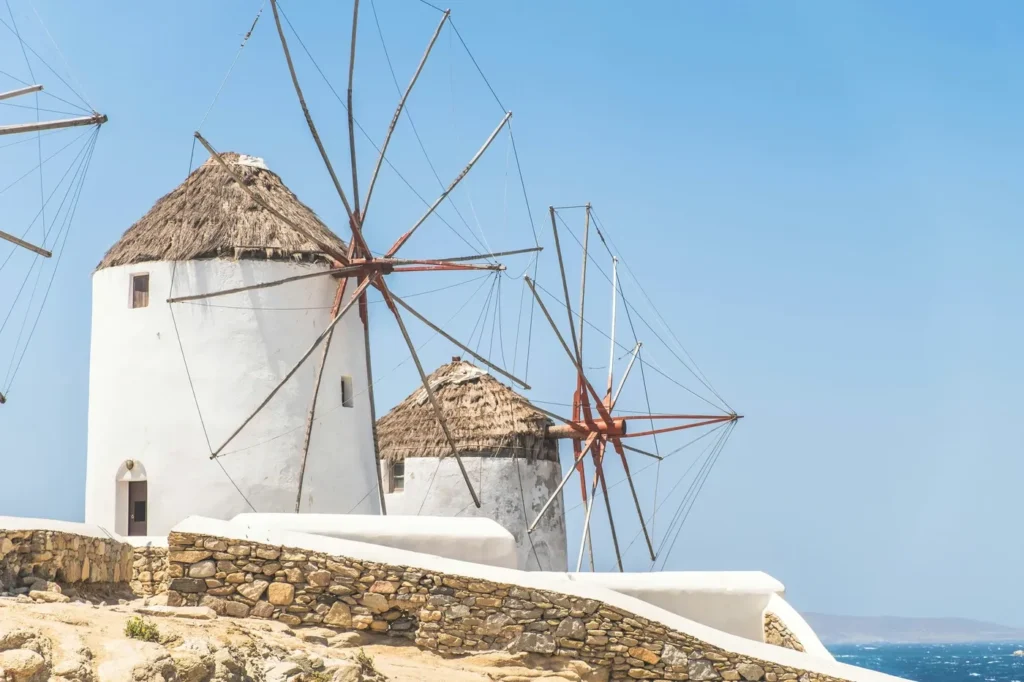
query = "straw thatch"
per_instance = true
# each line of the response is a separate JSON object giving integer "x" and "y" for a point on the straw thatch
{"x": 485, "y": 417}
{"x": 211, "y": 216}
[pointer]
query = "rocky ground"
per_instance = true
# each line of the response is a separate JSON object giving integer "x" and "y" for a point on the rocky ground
{"x": 48, "y": 634}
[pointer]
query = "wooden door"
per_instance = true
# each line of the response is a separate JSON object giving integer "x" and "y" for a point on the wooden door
{"x": 137, "y": 508}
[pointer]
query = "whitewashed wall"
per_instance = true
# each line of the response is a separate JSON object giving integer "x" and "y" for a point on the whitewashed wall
{"x": 497, "y": 482}
{"x": 238, "y": 347}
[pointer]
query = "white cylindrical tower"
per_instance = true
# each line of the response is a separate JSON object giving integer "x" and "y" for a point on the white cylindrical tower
{"x": 169, "y": 382}
{"x": 503, "y": 443}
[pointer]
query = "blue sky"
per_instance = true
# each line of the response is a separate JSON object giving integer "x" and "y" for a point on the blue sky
{"x": 821, "y": 199}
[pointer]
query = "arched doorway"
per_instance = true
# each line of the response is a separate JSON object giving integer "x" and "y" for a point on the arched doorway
{"x": 132, "y": 499}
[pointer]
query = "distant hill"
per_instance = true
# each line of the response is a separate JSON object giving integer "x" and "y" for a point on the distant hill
{"x": 893, "y": 630}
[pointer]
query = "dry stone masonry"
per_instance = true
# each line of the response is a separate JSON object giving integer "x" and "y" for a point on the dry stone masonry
{"x": 776, "y": 632}
{"x": 62, "y": 557}
{"x": 149, "y": 570}
{"x": 446, "y": 613}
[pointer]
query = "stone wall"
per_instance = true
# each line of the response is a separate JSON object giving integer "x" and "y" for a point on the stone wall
{"x": 776, "y": 632}
{"x": 443, "y": 612}
{"x": 61, "y": 557}
{"x": 149, "y": 570}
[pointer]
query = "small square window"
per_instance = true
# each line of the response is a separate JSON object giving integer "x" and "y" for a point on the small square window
{"x": 396, "y": 477}
{"x": 346, "y": 392}
{"x": 139, "y": 512}
{"x": 140, "y": 290}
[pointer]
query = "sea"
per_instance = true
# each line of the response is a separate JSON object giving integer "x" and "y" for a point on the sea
{"x": 938, "y": 662}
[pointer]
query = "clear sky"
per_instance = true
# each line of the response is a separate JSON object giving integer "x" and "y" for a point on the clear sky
{"x": 823, "y": 200}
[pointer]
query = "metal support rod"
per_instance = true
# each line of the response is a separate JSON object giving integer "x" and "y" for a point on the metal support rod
{"x": 307, "y": 436}
{"x": 352, "y": 119}
{"x": 458, "y": 343}
{"x": 496, "y": 254}
{"x": 337, "y": 318}
{"x": 94, "y": 119}
{"x": 305, "y": 112}
{"x": 351, "y": 269}
{"x": 472, "y": 162}
{"x": 20, "y": 91}
{"x": 436, "y": 407}
{"x": 24, "y": 244}
{"x": 565, "y": 479}
{"x": 329, "y": 250}
{"x": 398, "y": 111}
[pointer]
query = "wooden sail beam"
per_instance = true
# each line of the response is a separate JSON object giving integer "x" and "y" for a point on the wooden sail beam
{"x": 337, "y": 272}
{"x": 458, "y": 343}
{"x": 25, "y": 245}
{"x": 305, "y": 112}
{"x": 444, "y": 195}
{"x": 20, "y": 91}
{"x": 617, "y": 444}
{"x": 681, "y": 427}
{"x": 398, "y": 110}
{"x": 19, "y": 128}
{"x": 356, "y": 267}
{"x": 358, "y": 226}
{"x": 565, "y": 479}
{"x": 355, "y": 297}
{"x": 438, "y": 414}
{"x": 307, "y": 436}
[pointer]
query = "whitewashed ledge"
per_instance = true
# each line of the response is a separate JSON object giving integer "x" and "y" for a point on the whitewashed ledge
{"x": 479, "y": 540}
{"x": 358, "y": 558}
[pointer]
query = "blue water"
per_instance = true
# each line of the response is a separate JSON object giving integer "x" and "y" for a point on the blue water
{"x": 938, "y": 662}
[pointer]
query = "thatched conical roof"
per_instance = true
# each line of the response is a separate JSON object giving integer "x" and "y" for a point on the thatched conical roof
{"x": 211, "y": 216}
{"x": 485, "y": 417}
